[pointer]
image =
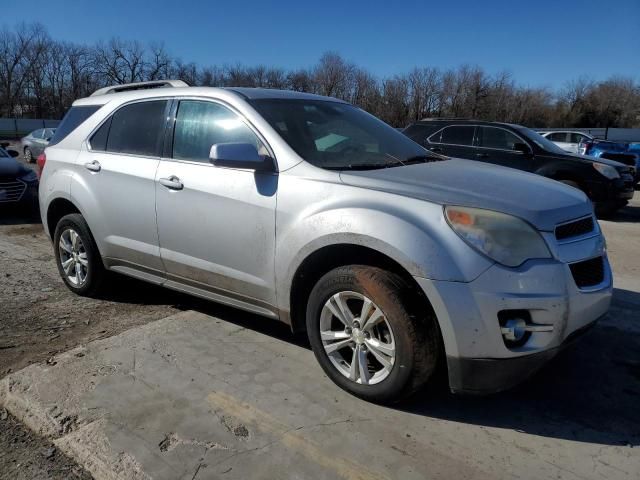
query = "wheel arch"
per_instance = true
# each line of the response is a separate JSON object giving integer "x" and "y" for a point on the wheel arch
{"x": 328, "y": 257}
{"x": 58, "y": 208}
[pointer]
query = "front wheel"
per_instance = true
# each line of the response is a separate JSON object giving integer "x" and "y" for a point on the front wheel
{"x": 368, "y": 334}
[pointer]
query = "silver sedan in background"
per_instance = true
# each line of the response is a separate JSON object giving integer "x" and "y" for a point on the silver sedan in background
{"x": 35, "y": 143}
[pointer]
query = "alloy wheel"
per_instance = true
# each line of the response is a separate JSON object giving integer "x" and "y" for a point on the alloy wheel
{"x": 73, "y": 257}
{"x": 357, "y": 338}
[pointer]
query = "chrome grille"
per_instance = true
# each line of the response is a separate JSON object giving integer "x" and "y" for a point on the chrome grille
{"x": 575, "y": 228}
{"x": 11, "y": 191}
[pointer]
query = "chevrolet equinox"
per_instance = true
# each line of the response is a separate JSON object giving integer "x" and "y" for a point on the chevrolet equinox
{"x": 306, "y": 209}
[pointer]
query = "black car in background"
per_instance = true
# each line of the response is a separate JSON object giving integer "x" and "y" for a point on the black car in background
{"x": 609, "y": 184}
{"x": 18, "y": 183}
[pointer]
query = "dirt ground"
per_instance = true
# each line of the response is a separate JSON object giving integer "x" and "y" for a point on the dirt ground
{"x": 39, "y": 318}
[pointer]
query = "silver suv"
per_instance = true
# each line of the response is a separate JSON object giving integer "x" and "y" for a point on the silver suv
{"x": 308, "y": 210}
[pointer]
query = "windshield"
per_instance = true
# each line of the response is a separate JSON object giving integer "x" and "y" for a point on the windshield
{"x": 339, "y": 136}
{"x": 541, "y": 141}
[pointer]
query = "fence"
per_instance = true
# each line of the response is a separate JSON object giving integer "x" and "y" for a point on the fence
{"x": 19, "y": 127}
{"x": 613, "y": 134}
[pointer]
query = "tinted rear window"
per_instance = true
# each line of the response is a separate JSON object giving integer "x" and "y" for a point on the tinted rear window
{"x": 419, "y": 133}
{"x": 72, "y": 120}
{"x": 458, "y": 135}
{"x": 137, "y": 128}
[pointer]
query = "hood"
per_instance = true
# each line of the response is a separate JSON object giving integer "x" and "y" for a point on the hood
{"x": 538, "y": 200}
{"x": 587, "y": 159}
{"x": 10, "y": 167}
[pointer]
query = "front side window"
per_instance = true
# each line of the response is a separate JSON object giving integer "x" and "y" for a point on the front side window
{"x": 337, "y": 136}
{"x": 458, "y": 135}
{"x": 498, "y": 138}
{"x": 134, "y": 129}
{"x": 577, "y": 138}
{"x": 37, "y": 133}
{"x": 200, "y": 124}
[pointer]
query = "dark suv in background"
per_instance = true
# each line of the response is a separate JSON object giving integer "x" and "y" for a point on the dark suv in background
{"x": 607, "y": 183}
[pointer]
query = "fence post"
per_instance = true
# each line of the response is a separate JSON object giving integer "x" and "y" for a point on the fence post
{"x": 15, "y": 127}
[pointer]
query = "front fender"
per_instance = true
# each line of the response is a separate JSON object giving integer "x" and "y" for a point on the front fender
{"x": 411, "y": 232}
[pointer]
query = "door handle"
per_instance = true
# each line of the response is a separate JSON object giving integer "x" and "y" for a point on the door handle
{"x": 93, "y": 166}
{"x": 482, "y": 155}
{"x": 172, "y": 183}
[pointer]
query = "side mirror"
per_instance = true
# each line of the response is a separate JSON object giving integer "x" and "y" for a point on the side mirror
{"x": 522, "y": 148}
{"x": 13, "y": 153}
{"x": 239, "y": 155}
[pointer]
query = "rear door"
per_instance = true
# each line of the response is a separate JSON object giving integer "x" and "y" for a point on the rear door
{"x": 498, "y": 145}
{"x": 454, "y": 141}
{"x": 117, "y": 173}
{"x": 563, "y": 140}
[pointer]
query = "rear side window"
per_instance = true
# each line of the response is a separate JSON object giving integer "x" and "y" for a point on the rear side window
{"x": 72, "y": 120}
{"x": 199, "y": 125}
{"x": 458, "y": 135}
{"x": 557, "y": 137}
{"x": 134, "y": 129}
{"x": 490, "y": 137}
{"x": 419, "y": 133}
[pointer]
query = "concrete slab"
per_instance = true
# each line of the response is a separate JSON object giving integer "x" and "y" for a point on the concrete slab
{"x": 192, "y": 396}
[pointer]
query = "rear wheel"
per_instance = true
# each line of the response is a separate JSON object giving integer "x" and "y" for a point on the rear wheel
{"x": 365, "y": 333}
{"x": 77, "y": 256}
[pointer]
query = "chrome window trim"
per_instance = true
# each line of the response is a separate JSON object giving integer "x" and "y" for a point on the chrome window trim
{"x": 87, "y": 140}
{"x": 474, "y": 138}
{"x": 242, "y": 117}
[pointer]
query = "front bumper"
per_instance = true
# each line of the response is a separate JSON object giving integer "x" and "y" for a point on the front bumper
{"x": 478, "y": 358}
{"x": 612, "y": 192}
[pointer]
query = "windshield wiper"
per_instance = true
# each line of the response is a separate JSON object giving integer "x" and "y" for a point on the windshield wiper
{"x": 359, "y": 166}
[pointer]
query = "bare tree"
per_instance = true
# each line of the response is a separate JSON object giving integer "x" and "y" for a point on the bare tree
{"x": 41, "y": 77}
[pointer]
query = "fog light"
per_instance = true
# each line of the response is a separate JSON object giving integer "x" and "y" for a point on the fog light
{"x": 514, "y": 329}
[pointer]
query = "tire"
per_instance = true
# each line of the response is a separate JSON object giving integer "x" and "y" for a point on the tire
{"x": 28, "y": 155}
{"x": 87, "y": 254}
{"x": 415, "y": 338}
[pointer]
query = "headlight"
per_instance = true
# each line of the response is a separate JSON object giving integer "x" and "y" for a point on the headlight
{"x": 29, "y": 177}
{"x": 606, "y": 170}
{"x": 506, "y": 239}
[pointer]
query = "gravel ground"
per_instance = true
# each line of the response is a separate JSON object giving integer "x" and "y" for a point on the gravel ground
{"x": 25, "y": 456}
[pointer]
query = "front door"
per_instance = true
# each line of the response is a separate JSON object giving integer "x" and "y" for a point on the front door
{"x": 116, "y": 182}
{"x": 216, "y": 225}
{"x": 498, "y": 145}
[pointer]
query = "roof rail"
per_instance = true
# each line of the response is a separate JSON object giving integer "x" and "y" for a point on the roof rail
{"x": 127, "y": 87}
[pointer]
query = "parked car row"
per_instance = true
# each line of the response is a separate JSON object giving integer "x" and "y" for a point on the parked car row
{"x": 393, "y": 258}
{"x": 609, "y": 184}
{"x": 33, "y": 145}
{"x": 18, "y": 183}
{"x": 585, "y": 144}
